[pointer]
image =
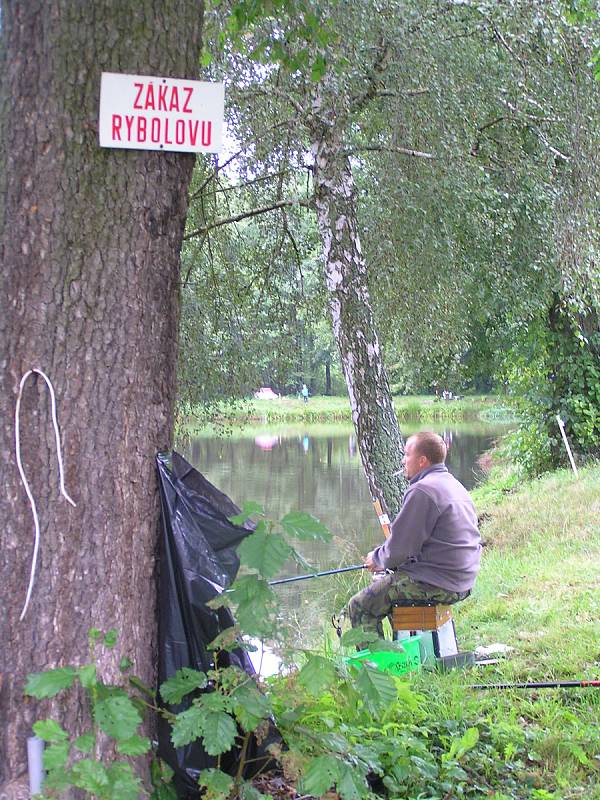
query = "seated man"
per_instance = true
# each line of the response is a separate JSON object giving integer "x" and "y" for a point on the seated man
{"x": 434, "y": 546}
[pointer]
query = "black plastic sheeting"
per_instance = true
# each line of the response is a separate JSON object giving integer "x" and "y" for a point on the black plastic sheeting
{"x": 198, "y": 561}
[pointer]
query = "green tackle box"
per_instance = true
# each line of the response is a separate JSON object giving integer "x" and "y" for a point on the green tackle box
{"x": 396, "y": 662}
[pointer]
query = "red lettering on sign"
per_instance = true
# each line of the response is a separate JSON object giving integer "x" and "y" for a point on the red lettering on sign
{"x": 162, "y": 97}
{"x": 174, "y": 104}
{"x": 155, "y": 130}
{"x": 162, "y": 131}
{"x": 116, "y": 127}
{"x": 189, "y": 90}
{"x": 206, "y": 133}
{"x": 150, "y": 98}
{"x": 167, "y": 140}
{"x": 136, "y": 102}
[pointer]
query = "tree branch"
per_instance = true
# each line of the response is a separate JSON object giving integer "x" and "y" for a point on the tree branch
{"x": 219, "y": 167}
{"x": 405, "y": 151}
{"x": 286, "y": 229}
{"x": 406, "y": 93}
{"x": 186, "y": 280}
{"x": 475, "y": 148}
{"x": 555, "y": 152}
{"x": 246, "y": 215}
{"x": 490, "y": 124}
{"x": 534, "y": 127}
{"x": 261, "y": 179}
{"x": 374, "y": 76}
{"x": 273, "y": 90}
{"x": 534, "y": 117}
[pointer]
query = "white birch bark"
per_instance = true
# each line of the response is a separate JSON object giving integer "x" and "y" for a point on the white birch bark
{"x": 378, "y": 434}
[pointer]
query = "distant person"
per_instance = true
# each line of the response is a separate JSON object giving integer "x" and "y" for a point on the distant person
{"x": 305, "y": 392}
{"x": 434, "y": 546}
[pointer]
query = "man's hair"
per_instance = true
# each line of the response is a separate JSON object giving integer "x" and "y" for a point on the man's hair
{"x": 430, "y": 445}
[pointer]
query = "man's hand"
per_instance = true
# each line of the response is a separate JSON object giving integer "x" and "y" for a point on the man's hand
{"x": 370, "y": 563}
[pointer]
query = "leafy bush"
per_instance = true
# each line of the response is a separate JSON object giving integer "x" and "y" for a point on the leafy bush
{"x": 353, "y": 729}
{"x": 116, "y": 716}
{"x": 555, "y": 370}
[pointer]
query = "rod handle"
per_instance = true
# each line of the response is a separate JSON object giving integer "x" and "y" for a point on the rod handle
{"x": 382, "y": 516}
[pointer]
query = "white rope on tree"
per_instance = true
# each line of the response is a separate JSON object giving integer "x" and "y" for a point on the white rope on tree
{"x": 63, "y": 491}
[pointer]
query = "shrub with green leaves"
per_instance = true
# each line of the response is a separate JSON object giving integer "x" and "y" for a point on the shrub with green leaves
{"x": 236, "y": 708}
{"x": 555, "y": 370}
{"x": 116, "y": 716}
{"x": 345, "y": 727}
{"x": 227, "y": 706}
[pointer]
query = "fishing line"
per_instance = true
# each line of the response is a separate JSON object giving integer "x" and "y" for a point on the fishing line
{"x": 543, "y": 685}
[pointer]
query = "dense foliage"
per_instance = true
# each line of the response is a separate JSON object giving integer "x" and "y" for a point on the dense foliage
{"x": 470, "y": 252}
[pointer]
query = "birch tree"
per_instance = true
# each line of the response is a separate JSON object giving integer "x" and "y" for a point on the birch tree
{"x": 314, "y": 110}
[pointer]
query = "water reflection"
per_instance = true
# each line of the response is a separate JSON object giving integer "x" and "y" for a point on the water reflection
{"x": 317, "y": 469}
{"x": 266, "y": 441}
{"x": 263, "y": 659}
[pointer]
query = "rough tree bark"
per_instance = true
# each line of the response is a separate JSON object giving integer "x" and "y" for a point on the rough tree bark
{"x": 378, "y": 435}
{"x": 89, "y": 255}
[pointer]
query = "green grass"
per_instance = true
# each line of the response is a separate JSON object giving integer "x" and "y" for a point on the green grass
{"x": 425, "y": 407}
{"x": 500, "y": 481}
{"x": 538, "y": 589}
{"x": 539, "y": 593}
{"x": 421, "y": 408}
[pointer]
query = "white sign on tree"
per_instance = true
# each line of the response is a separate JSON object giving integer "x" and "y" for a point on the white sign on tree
{"x": 140, "y": 112}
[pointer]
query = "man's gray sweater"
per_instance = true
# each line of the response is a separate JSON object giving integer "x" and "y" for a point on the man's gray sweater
{"x": 434, "y": 538}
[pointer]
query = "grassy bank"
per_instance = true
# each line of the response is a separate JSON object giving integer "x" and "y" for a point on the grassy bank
{"x": 539, "y": 589}
{"x": 318, "y": 429}
{"x": 538, "y": 593}
{"x": 418, "y": 408}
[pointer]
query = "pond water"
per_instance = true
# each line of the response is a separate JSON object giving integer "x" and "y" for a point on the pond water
{"x": 316, "y": 468}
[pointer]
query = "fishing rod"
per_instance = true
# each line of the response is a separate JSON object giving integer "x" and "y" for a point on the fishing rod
{"x": 279, "y": 581}
{"x": 384, "y": 521}
{"x": 316, "y": 575}
{"x": 548, "y": 685}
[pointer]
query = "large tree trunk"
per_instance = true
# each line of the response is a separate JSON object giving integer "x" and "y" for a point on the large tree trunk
{"x": 378, "y": 434}
{"x": 328, "y": 378}
{"x": 89, "y": 292}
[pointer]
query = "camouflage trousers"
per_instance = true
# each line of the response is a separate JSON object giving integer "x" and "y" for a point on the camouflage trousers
{"x": 372, "y": 605}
